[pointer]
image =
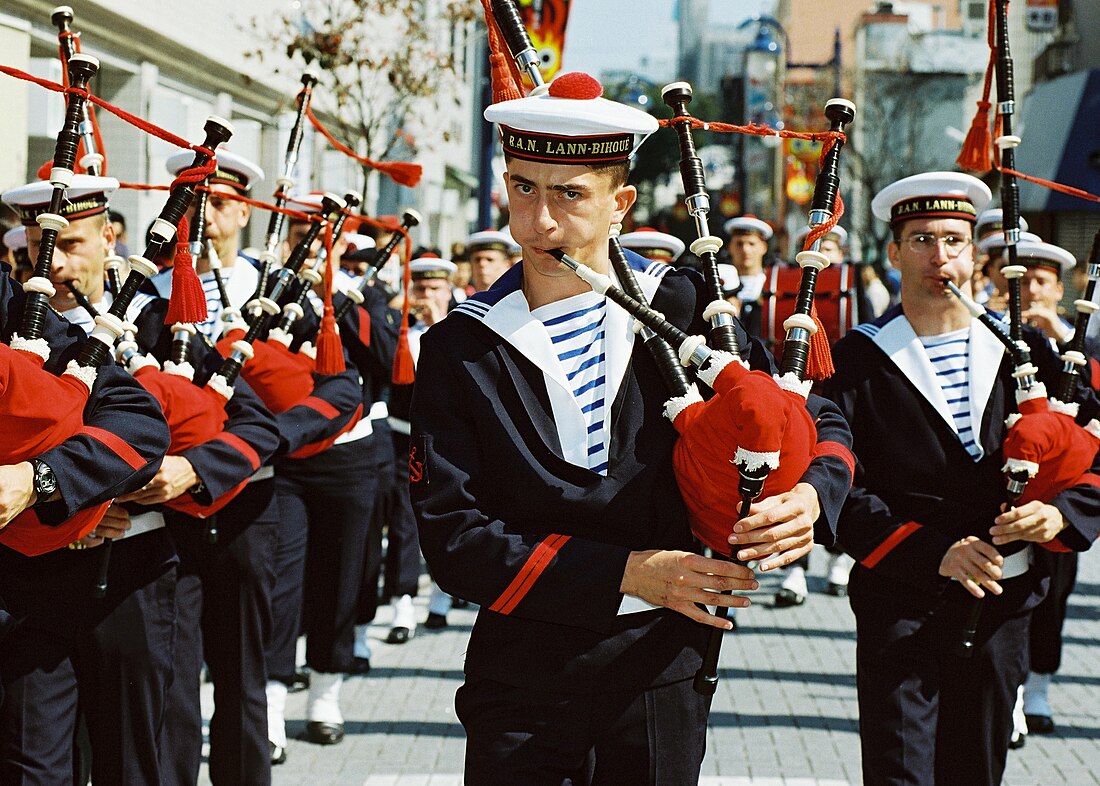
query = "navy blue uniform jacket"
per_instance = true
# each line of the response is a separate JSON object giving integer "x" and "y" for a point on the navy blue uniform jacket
{"x": 540, "y": 543}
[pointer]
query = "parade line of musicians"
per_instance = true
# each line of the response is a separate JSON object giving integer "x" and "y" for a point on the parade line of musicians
{"x": 531, "y": 465}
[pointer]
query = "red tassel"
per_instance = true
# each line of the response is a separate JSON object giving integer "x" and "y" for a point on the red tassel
{"x": 330, "y": 352}
{"x": 819, "y": 362}
{"x": 976, "y": 153}
{"x": 977, "y": 149}
{"x": 404, "y": 369}
{"x": 188, "y": 301}
{"x": 401, "y": 172}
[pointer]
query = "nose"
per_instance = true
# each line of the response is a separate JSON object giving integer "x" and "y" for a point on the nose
{"x": 544, "y": 222}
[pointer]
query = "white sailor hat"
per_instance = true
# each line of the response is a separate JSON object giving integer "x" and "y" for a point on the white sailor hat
{"x": 570, "y": 123}
{"x": 358, "y": 242}
{"x": 837, "y": 233}
{"x": 731, "y": 282}
{"x": 652, "y": 244}
{"x": 15, "y": 238}
{"x": 1034, "y": 252}
{"x": 232, "y": 170}
{"x": 932, "y": 195}
{"x": 994, "y": 244}
{"x": 490, "y": 239}
{"x": 992, "y": 220}
{"x": 431, "y": 266}
{"x": 748, "y": 225}
{"x": 87, "y": 196}
{"x": 306, "y": 203}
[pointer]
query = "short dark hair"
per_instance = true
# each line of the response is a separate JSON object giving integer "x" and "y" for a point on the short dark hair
{"x": 618, "y": 171}
{"x": 114, "y": 216}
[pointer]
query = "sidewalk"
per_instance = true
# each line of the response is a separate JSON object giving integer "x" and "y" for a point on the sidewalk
{"x": 784, "y": 715}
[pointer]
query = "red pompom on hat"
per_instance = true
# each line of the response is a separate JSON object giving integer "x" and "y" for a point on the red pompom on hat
{"x": 576, "y": 85}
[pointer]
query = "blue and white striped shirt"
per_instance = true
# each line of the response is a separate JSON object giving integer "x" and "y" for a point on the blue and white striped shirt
{"x": 576, "y": 329}
{"x": 950, "y": 356}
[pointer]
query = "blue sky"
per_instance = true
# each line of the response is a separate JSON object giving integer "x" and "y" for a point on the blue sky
{"x": 639, "y": 26}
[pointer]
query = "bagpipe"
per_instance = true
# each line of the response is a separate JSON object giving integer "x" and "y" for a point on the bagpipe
{"x": 93, "y": 160}
{"x": 755, "y": 433}
{"x": 25, "y": 384}
{"x": 269, "y": 258}
{"x": 1045, "y": 450}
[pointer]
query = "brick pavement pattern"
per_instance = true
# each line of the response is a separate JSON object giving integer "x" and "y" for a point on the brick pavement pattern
{"x": 784, "y": 714}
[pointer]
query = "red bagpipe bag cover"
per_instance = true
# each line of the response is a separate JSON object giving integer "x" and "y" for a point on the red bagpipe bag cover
{"x": 195, "y": 415}
{"x": 1063, "y": 450}
{"x": 280, "y": 378}
{"x": 749, "y": 411}
{"x": 39, "y": 412}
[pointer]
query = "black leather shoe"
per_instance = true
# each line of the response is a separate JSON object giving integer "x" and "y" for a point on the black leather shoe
{"x": 324, "y": 733}
{"x": 836, "y": 590}
{"x": 300, "y": 683}
{"x": 435, "y": 621}
{"x": 360, "y": 666}
{"x": 1040, "y": 724}
{"x": 786, "y": 598}
{"x": 398, "y": 635}
{"x": 1018, "y": 741}
{"x": 278, "y": 754}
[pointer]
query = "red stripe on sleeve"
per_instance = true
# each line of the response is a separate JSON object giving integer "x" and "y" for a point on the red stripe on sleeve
{"x": 364, "y": 327}
{"x": 537, "y": 562}
{"x": 841, "y": 452}
{"x": 1088, "y": 479}
{"x": 320, "y": 405}
{"x": 241, "y": 447}
{"x": 116, "y": 445}
{"x": 888, "y": 545}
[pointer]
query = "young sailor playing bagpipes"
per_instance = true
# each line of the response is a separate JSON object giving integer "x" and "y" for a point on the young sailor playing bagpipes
{"x": 927, "y": 390}
{"x": 541, "y": 476}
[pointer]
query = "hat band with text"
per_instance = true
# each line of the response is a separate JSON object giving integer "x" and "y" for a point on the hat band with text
{"x": 73, "y": 209}
{"x": 226, "y": 178}
{"x": 557, "y": 149}
{"x": 934, "y": 207}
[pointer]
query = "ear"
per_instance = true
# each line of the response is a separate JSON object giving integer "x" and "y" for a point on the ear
{"x": 892, "y": 250}
{"x": 109, "y": 236}
{"x": 245, "y": 214}
{"x": 625, "y": 197}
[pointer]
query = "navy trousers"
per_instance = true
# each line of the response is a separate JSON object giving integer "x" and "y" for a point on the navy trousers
{"x": 112, "y": 655}
{"x": 223, "y": 619}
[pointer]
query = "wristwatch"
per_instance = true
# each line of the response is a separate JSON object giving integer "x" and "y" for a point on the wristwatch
{"x": 45, "y": 482}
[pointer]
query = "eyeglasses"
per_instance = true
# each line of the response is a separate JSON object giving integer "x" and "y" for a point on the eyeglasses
{"x": 925, "y": 245}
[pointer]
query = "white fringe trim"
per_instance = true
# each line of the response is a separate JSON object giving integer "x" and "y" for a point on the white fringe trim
{"x": 1093, "y": 427}
{"x": 674, "y": 406}
{"x": 1012, "y": 419}
{"x": 185, "y": 369}
{"x": 220, "y": 386}
{"x": 752, "y": 460}
{"x": 36, "y": 346}
{"x": 1038, "y": 390}
{"x": 85, "y": 374}
{"x": 719, "y": 359}
{"x": 791, "y": 382}
{"x": 1071, "y": 409}
{"x": 1014, "y": 465}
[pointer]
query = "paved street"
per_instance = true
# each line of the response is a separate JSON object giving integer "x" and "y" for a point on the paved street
{"x": 785, "y": 713}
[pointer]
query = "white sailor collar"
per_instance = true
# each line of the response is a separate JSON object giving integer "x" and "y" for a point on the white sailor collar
{"x": 504, "y": 310}
{"x": 897, "y": 339}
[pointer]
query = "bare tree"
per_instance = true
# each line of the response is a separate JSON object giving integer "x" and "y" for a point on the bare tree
{"x": 384, "y": 66}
